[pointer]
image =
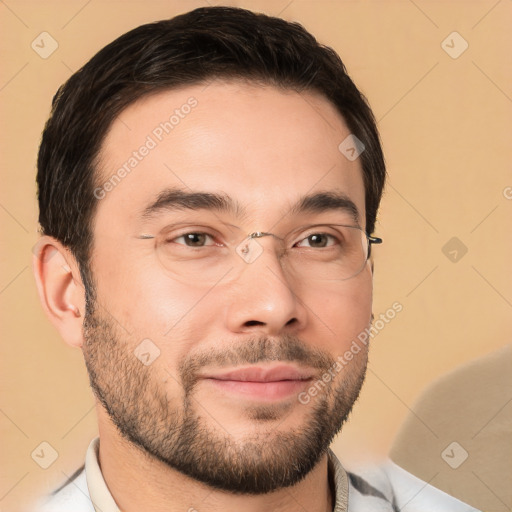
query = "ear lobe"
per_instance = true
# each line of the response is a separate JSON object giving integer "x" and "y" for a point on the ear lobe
{"x": 60, "y": 288}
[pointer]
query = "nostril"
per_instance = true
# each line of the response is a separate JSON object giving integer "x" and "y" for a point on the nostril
{"x": 253, "y": 322}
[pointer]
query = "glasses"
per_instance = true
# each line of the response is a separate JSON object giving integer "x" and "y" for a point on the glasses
{"x": 315, "y": 253}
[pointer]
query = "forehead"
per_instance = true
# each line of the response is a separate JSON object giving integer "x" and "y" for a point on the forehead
{"x": 262, "y": 146}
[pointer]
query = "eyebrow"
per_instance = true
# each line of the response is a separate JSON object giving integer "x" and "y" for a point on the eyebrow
{"x": 176, "y": 199}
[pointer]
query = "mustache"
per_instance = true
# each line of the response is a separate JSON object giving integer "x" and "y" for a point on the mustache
{"x": 287, "y": 348}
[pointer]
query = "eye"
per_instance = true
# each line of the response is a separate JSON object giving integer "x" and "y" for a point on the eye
{"x": 317, "y": 240}
{"x": 193, "y": 239}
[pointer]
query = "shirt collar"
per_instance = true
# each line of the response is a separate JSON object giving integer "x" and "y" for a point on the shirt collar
{"x": 103, "y": 501}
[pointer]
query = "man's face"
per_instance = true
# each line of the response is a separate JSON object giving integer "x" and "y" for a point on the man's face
{"x": 185, "y": 329}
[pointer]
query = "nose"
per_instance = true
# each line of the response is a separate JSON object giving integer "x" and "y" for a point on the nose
{"x": 263, "y": 299}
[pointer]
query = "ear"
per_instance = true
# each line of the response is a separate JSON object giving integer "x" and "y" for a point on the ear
{"x": 60, "y": 288}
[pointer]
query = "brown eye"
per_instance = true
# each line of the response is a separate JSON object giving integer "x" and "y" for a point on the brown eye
{"x": 193, "y": 239}
{"x": 317, "y": 240}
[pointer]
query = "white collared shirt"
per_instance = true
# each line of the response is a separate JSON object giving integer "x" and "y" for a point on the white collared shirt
{"x": 386, "y": 488}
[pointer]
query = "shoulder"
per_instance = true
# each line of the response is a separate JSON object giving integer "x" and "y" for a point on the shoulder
{"x": 404, "y": 491}
{"x": 463, "y": 416}
{"x": 370, "y": 490}
{"x": 71, "y": 495}
{"x": 357, "y": 493}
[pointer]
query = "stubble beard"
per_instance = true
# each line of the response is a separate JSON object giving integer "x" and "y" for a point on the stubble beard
{"x": 180, "y": 432}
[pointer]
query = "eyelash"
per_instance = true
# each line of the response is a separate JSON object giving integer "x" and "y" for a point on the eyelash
{"x": 172, "y": 240}
{"x": 191, "y": 233}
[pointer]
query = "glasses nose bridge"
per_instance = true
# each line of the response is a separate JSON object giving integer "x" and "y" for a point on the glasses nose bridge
{"x": 250, "y": 250}
{"x": 261, "y": 234}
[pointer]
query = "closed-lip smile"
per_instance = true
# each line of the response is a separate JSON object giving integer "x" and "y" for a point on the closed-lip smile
{"x": 262, "y": 373}
{"x": 261, "y": 382}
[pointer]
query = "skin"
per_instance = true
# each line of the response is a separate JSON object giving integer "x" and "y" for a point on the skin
{"x": 265, "y": 147}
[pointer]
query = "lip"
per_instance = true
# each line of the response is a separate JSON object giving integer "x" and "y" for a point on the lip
{"x": 277, "y": 373}
{"x": 258, "y": 383}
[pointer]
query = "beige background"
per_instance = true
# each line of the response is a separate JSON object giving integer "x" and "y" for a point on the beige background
{"x": 445, "y": 125}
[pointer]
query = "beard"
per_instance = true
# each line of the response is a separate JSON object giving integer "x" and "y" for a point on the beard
{"x": 182, "y": 434}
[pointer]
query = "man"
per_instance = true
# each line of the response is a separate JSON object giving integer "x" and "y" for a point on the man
{"x": 208, "y": 187}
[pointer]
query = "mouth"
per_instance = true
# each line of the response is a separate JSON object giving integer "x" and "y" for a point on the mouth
{"x": 261, "y": 383}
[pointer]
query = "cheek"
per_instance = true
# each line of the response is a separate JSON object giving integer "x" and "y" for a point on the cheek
{"x": 176, "y": 313}
{"x": 146, "y": 304}
{"x": 344, "y": 310}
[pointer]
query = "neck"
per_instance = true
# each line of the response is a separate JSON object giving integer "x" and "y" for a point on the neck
{"x": 137, "y": 481}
